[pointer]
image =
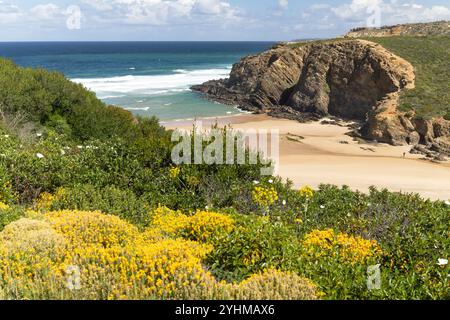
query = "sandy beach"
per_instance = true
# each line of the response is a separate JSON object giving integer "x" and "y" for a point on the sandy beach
{"x": 315, "y": 153}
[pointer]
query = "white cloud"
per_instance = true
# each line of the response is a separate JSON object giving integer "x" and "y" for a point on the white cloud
{"x": 47, "y": 11}
{"x": 392, "y": 12}
{"x": 161, "y": 12}
{"x": 9, "y": 13}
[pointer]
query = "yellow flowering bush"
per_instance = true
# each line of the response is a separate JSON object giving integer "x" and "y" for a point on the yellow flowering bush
{"x": 274, "y": 285}
{"x": 114, "y": 260}
{"x": 30, "y": 255}
{"x": 82, "y": 228}
{"x": 30, "y": 235}
{"x": 44, "y": 202}
{"x": 202, "y": 226}
{"x": 168, "y": 222}
{"x": 89, "y": 255}
{"x": 165, "y": 269}
{"x": 264, "y": 197}
{"x": 344, "y": 247}
{"x": 306, "y": 192}
{"x": 205, "y": 225}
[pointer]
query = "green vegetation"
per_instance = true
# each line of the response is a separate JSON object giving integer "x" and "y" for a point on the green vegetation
{"x": 431, "y": 58}
{"x": 189, "y": 231}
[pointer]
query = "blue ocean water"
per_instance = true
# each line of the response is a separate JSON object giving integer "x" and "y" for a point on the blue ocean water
{"x": 147, "y": 78}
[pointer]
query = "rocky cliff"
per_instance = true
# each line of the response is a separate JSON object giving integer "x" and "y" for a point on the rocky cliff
{"x": 347, "y": 78}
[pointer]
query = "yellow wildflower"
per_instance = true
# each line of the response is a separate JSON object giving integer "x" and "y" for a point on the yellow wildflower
{"x": 265, "y": 197}
{"x": 344, "y": 247}
{"x": 307, "y": 192}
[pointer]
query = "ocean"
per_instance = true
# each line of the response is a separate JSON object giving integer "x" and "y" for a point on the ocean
{"x": 147, "y": 78}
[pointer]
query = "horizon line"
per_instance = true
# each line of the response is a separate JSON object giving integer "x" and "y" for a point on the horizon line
{"x": 143, "y": 41}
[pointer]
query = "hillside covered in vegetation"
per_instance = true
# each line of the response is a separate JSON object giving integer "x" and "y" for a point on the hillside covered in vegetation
{"x": 430, "y": 57}
{"x": 92, "y": 207}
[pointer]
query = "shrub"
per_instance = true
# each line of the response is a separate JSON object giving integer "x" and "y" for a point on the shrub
{"x": 112, "y": 200}
{"x": 203, "y": 226}
{"x": 166, "y": 269}
{"x": 275, "y": 285}
{"x": 9, "y": 214}
{"x": 82, "y": 228}
{"x": 111, "y": 258}
{"x": 30, "y": 236}
{"x": 254, "y": 245}
{"x": 207, "y": 226}
{"x": 30, "y": 253}
{"x": 341, "y": 246}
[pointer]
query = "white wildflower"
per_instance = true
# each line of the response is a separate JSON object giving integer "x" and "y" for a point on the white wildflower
{"x": 270, "y": 181}
{"x": 39, "y": 135}
{"x": 39, "y": 155}
{"x": 255, "y": 182}
{"x": 284, "y": 202}
{"x": 442, "y": 262}
{"x": 322, "y": 207}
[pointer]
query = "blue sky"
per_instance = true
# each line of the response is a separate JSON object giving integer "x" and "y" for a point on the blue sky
{"x": 24, "y": 20}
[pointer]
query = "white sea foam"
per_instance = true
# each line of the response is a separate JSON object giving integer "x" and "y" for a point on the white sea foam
{"x": 138, "y": 109}
{"x": 180, "y": 81}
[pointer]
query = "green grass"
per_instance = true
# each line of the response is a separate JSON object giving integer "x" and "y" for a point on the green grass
{"x": 430, "y": 57}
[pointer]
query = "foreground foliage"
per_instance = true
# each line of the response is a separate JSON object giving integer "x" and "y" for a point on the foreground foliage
{"x": 88, "y": 255}
{"x": 91, "y": 212}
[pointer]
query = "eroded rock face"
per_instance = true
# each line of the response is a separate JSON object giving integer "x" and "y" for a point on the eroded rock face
{"x": 341, "y": 78}
{"x": 349, "y": 79}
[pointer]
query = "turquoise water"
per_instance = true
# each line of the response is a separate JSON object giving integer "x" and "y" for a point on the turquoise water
{"x": 147, "y": 78}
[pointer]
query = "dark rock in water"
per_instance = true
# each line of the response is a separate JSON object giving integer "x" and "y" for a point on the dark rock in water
{"x": 348, "y": 79}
